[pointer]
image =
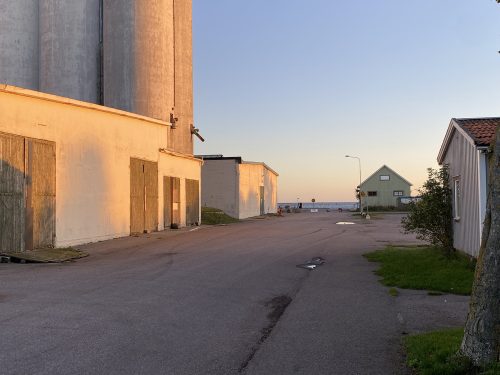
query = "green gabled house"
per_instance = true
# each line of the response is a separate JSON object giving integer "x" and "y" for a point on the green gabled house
{"x": 385, "y": 188}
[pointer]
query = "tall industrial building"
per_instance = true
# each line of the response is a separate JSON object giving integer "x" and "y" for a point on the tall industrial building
{"x": 96, "y": 120}
{"x": 133, "y": 55}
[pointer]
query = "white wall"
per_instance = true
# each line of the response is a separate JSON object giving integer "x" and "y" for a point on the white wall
{"x": 94, "y": 145}
{"x": 252, "y": 177}
{"x": 219, "y": 185}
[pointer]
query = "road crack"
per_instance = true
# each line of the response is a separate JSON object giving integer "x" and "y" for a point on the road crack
{"x": 278, "y": 306}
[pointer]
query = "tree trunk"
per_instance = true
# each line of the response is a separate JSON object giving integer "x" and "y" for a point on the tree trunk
{"x": 481, "y": 342}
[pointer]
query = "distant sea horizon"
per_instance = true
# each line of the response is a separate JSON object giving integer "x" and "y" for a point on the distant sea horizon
{"x": 327, "y": 205}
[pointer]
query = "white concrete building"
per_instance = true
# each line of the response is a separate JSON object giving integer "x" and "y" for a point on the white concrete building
{"x": 73, "y": 172}
{"x": 104, "y": 147}
{"x": 240, "y": 188}
{"x": 465, "y": 151}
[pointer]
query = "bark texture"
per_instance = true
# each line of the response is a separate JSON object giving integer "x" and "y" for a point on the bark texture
{"x": 481, "y": 342}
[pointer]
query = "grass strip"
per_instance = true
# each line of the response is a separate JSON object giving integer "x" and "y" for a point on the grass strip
{"x": 435, "y": 353}
{"x": 214, "y": 216}
{"x": 424, "y": 268}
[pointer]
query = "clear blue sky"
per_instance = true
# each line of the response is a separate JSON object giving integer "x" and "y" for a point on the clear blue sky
{"x": 298, "y": 84}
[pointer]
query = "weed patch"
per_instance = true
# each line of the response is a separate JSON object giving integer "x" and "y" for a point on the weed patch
{"x": 424, "y": 268}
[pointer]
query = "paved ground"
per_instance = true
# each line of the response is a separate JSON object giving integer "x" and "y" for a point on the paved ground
{"x": 199, "y": 302}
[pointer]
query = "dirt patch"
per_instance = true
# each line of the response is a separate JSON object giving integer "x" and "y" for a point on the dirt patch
{"x": 46, "y": 255}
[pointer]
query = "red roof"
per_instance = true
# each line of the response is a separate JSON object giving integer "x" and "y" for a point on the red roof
{"x": 481, "y": 130}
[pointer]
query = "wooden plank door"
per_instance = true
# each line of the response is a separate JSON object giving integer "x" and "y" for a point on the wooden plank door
{"x": 192, "y": 202}
{"x": 40, "y": 194}
{"x": 136, "y": 196}
{"x": 167, "y": 201}
{"x": 150, "y": 196}
{"x": 262, "y": 203}
{"x": 143, "y": 196}
{"x": 176, "y": 201}
{"x": 171, "y": 201}
{"x": 12, "y": 201}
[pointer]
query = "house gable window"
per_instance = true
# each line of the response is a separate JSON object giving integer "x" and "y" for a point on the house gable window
{"x": 372, "y": 193}
{"x": 384, "y": 177}
{"x": 456, "y": 198}
{"x": 398, "y": 193}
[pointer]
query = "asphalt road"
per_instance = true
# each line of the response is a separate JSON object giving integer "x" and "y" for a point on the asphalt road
{"x": 213, "y": 301}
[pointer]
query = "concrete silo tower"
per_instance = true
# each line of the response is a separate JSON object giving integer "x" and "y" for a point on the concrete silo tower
{"x": 147, "y": 62}
{"x": 19, "y": 43}
{"x": 70, "y": 48}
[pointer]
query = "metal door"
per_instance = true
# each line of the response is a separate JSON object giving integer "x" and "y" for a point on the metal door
{"x": 262, "y": 209}
{"x": 12, "y": 175}
{"x": 143, "y": 196}
{"x": 192, "y": 202}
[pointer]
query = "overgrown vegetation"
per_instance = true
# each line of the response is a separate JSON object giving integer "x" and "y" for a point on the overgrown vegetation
{"x": 435, "y": 353}
{"x": 214, "y": 216}
{"x": 424, "y": 268}
{"x": 431, "y": 217}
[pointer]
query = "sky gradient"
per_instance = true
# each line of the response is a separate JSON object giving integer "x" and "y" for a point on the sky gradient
{"x": 299, "y": 84}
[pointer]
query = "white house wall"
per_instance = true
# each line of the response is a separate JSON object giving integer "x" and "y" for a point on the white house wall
{"x": 462, "y": 159}
{"x": 220, "y": 185}
{"x": 94, "y": 145}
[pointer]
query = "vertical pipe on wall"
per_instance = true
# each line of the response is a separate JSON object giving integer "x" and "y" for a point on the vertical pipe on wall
{"x": 19, "y": 43}
{"x": 69, "y": 48}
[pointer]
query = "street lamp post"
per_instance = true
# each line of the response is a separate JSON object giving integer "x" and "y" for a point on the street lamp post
{"x": 359, "y": 164}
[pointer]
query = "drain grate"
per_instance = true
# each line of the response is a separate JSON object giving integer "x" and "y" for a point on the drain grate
{"x": 312, "y": 263}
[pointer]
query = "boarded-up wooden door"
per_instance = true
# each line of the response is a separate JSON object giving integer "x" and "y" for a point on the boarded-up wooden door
{"x": 12, "y": 173}
{"x": 192, "y": 202}
{"x": 40, "y": 194}
{"x": 171, "y": 201}
{"x": 143, "y": 196}
{"x": 27, "y": 193}
{"x": 262, "y": 205}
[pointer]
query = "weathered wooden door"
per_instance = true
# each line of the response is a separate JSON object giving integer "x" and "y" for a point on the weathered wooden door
{"x": 12, "y": 206}
{"x": 40, "y": 194}
{"x": 27, "y": 193}
{"x": 262, "y": 205}
{"x": 192, "y": 202}
{"x": 171, "y": 201}
{"x": 143, "y": 196}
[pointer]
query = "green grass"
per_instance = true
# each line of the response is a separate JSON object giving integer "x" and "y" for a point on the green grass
{"x": 435, "y": 353}
{"x": 213, "y": 216}
{"x": 48, "y": 255}
{"x": 424, "y": 268}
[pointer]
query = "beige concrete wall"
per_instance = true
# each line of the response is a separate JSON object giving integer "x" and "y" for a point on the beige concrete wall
{"x": 270, "y": 191}
{"x": 94, "y": 145}
{"x": 219, "y": 185}
{"x": 252, "y": 177}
